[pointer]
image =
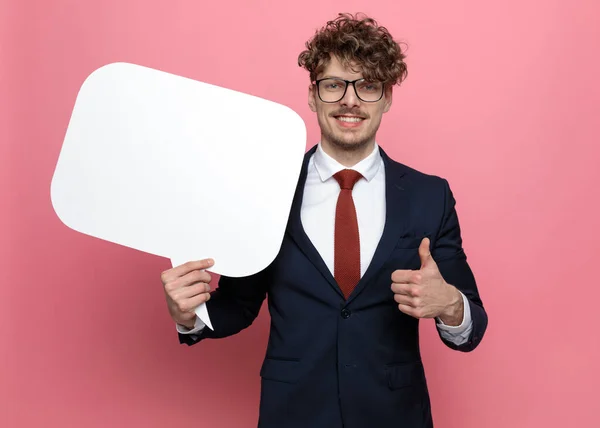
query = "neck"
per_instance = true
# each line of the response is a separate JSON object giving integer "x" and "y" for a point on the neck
{"x": 348, "y": 156}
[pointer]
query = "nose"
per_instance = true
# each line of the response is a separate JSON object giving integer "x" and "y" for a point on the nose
{"x": 350, "y": 99}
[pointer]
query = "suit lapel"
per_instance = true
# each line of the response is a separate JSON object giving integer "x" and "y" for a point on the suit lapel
{"x": 297, "y": 232}
{"x": 397, "y": 197}
{"x": 397, "y": 203}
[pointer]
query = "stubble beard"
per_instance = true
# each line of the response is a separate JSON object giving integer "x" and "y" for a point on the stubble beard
{"x": 349, "y": 145}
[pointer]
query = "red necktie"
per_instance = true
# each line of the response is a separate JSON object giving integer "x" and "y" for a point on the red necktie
{"x": 346, "y": 258}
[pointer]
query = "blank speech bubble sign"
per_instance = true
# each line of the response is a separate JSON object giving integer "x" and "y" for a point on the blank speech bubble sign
{"x": 179, "y": 168}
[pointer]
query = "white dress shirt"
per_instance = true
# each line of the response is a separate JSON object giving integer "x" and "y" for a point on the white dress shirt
{"x": 318, "y": 219}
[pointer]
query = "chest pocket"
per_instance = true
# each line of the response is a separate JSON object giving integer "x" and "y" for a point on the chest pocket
{"x": 406, "y": 251}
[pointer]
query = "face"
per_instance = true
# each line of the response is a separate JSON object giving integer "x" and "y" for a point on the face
{"x": 349, "y": 124}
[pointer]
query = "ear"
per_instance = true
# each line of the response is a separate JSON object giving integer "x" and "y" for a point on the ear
{"x": 388, "y": 99}
{"x": 312, "y": 101}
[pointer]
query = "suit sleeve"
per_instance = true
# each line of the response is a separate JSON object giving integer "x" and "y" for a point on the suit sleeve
{"x": 232, "y": 307}
{"x": 452, "y": 261}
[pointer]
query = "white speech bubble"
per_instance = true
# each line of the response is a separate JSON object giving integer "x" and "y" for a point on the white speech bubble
{"x": 179, "y": 168}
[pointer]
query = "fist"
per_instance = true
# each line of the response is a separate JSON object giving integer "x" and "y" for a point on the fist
{"x": 424, "y": 293}
{"x": 186, "y": 287}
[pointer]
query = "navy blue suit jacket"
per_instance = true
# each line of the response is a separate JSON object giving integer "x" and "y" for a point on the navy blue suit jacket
{"x": 332, "y": 362}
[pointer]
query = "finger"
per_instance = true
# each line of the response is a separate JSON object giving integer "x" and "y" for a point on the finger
{"x": 188, "y": 279}
{"x": 193, "y": 277}
{"x": 405, "y": 289}
{"x": 181, "y": 270}
{"x": 404, "y": 300}
{"x": 189, "y": 305}
{"x": 424, "y": 253}
{"x": 402, "y": 276}
{"x": 408, "y": 310}
{"x": 190, "y": 291}
{"x": 412, "y": 290}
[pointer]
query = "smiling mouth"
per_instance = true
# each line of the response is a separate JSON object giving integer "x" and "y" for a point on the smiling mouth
{"x": 350, "y": 119}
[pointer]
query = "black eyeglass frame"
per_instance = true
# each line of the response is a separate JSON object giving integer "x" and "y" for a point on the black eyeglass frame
{"x": 348, "y": 83}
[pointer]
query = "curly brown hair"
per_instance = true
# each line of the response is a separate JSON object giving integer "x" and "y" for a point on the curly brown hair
{"x": 359, "y": 41}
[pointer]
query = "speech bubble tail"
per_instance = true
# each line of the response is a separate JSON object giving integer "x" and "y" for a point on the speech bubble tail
{"x": 202, "y": 313}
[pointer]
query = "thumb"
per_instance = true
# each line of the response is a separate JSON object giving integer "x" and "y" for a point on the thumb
{"x": 424, "y": 253}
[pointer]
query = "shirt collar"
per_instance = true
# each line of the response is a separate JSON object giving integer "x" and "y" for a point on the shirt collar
{"x": 327, "y": 166}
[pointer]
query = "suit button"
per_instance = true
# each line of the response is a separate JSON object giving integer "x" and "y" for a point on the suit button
{"x": 346, "y": 313}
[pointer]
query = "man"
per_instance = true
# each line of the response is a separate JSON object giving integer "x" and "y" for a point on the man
{"x": 371, "y": 247}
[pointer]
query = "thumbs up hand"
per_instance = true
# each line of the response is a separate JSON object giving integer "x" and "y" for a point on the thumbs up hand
{"x": 424, "y": 293}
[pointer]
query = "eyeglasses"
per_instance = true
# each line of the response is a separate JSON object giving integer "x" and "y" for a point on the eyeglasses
{"x": 332, "y": 89}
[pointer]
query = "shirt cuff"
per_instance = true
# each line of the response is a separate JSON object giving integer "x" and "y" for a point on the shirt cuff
{"x": 198, "y": 327}
{"x": 458, "y": 334}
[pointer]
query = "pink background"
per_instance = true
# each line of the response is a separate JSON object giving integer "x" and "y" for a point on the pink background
{"x": 502, "y": 99}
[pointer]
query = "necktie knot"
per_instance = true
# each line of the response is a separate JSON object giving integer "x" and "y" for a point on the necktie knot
{"x": 347, "y": 178}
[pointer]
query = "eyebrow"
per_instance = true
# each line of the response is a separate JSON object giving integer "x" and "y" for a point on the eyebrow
{"x": 337, "y": 77}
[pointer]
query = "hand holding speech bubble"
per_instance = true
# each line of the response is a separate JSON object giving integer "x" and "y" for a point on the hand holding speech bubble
{"x": 179, "y": 168}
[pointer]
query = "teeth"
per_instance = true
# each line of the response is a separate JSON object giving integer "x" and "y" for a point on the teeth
{"x": 349, "y": 119}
